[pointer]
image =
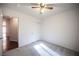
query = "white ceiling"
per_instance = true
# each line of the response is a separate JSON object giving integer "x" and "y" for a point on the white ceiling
{"x": 26, "y": 8}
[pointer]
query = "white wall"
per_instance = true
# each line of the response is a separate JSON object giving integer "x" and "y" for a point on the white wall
{"x": 61, "y": 29}
{"x": 28, "y": 30}
{"x": 28, "y": 26}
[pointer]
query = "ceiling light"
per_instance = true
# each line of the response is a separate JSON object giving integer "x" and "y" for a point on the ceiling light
{"x": 42, "y": 7}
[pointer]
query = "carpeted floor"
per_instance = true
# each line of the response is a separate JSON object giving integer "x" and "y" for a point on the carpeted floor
{"x": 41, "y": 48}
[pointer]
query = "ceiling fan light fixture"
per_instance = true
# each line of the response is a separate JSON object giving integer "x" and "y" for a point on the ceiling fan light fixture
{"x": 42, "y": 10}
{"x": 43, "y": 7}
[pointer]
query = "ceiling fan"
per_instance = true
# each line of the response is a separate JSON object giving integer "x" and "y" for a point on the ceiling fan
{"x": 42, "y": 7}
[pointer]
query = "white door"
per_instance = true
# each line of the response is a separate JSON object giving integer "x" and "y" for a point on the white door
{"x": 0, "y": 33}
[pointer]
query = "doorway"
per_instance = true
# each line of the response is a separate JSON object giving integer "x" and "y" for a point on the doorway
{"x": 10, "y": 33}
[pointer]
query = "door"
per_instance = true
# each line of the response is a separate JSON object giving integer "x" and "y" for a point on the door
{"x": 10, "y": 33}
{"x": 0, "y": 33}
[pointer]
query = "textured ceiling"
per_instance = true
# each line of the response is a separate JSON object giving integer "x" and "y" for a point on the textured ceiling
{"x": 26, "y": 8}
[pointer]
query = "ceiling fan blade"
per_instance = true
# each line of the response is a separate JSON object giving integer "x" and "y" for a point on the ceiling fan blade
{"x": 49, "y": 7}
{"x": 35, "y": 7}
{"x": 61, "y": 4}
